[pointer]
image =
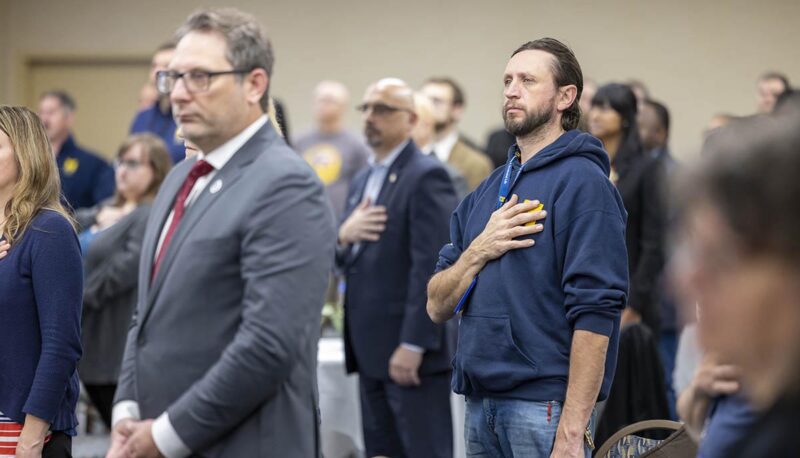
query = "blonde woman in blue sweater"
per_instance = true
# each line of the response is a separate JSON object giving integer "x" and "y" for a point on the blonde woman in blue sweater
{"x": 41, "y": 280}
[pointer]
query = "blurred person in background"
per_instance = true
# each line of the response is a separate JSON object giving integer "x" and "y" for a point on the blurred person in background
{"x": 148, "y": 95}
{"x": 714, "y": 409}
{"x": 639, "y": 391}
{"x": 654, "y": 124}
{"x": 111, "y": 244}
{"x": 86, "y": 179}
{"x": 497, "y": 144}
{"x": 157, "y": 118}
{"x": 335, "y": 153}
{"x": 589, "y": 90}
{"x": 654, "y": 121}
{"x": 738, "y": 257}
{"x": 449, "y": 146}
{"x": 423, "y": 135}
{"x": 640, "y": 90}
{"x": 768, "y": 88}
{"x": 40, "y": 296}
{"x": 639, "y": 178}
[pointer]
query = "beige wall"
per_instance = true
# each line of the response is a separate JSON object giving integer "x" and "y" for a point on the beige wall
{"x": 5, "y": 47}
{"x": 699, "y": 57}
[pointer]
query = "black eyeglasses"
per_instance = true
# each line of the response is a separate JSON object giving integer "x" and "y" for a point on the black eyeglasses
{"x": 380, "y": 109}
{"x": 195, "y": 80}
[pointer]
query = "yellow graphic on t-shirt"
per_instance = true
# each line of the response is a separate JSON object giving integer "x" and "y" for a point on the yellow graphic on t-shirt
{"x": 326, "y": 160}
{"x": 70, "y": 165}
{"x": 539, "y": 207}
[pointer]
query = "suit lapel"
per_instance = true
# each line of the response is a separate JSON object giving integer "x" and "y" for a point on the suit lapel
{"x": 395, "y": 175}
{"x": 227, "y": 176}
{"x": 158, "y": 217}
{"x": 355, "y": 196}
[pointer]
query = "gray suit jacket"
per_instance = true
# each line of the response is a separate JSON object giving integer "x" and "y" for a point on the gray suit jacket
{"x": 225, "y": 337}
{"x": 111, "y": 266}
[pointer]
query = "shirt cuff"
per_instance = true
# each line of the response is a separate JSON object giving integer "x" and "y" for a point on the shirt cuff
{"x": 414, "y": 348}
{"x": 167, "y": 440}
{"x": 123, "y": 410}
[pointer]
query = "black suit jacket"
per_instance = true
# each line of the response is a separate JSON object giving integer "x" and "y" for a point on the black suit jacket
{"x": 641, "y": 185}
{"x": 387, "y": 280}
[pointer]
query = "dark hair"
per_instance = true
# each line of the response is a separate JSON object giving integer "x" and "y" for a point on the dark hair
{"x": 662, "y": 113}
{"x": 621, "y": 99}
{"x": 749, "y": 173}
{"x": 776, "y": 76}
{"x": 458, "y": 94}
{"x": 789, "y": 98}
{"x": 566, "y": 72}
{"x": 66, "y": 100}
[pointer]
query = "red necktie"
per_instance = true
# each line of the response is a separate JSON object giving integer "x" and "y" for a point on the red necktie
{"x": 199, "y": 169}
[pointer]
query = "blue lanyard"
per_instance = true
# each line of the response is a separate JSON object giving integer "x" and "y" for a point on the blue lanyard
{"x": 506, "y": 184}
{"x": 502, "y": 196}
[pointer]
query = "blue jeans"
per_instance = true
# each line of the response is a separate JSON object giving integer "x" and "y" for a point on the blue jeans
{"x": 500, "y": 428}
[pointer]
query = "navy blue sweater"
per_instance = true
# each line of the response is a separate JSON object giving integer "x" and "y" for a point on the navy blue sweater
{"x": 516, "y": 331}
{"x": 41, "y": 285}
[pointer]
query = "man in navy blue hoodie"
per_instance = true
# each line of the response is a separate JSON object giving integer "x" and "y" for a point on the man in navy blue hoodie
{"x": 539, "y": 326}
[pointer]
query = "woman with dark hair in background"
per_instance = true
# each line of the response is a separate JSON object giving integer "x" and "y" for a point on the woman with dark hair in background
{"x": 639, "y": 179}
{"x": 639, "y": 390}
{"x": 40, "y": 296}
{"x": 112, "y": 247}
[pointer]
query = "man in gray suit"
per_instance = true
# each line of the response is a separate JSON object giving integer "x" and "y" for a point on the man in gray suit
{"x": 221, "y": 357}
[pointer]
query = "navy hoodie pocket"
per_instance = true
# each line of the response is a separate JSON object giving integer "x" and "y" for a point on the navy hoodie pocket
{"x": 488, "y": 359}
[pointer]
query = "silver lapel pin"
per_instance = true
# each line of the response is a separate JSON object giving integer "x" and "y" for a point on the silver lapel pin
{"x": 215, "y": 186}
{"x": 392, "y": 178}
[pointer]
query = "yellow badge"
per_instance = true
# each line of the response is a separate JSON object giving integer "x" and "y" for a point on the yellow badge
{"x": 70, "y": 166}
{"x": 326, "y": 160}
{"x": 538, "y": 208}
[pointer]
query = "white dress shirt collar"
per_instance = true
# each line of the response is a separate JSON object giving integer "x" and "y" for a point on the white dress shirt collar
{"x": 388, "y": 160}
{"x": 444, "y": 147}
{"x": 222, "y": 154}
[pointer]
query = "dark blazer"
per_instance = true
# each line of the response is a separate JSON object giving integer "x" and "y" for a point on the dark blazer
{"x": 86, "y": 179}
{"x": 497, "y": 146}
{"x": 387, "y": 280}
{"x": 111, "y": 267}
{"x": 641, "y": 185}
{"x": 225, "y": 337}
{"x": 638, "y": 392}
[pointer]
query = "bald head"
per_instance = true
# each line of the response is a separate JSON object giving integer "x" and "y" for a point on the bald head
{"x": 330, "y": 104}
{"x": 389, "y": 115}
{"x": 396, "y": 91}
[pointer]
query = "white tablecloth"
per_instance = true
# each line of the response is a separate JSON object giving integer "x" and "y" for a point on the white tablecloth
{"x": 339, "y": 406}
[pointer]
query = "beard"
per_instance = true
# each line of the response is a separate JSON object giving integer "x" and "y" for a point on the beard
{"x": 439, "y": 127}
{"x": 531, "y": 122}
{"x": 373, "y": 136}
